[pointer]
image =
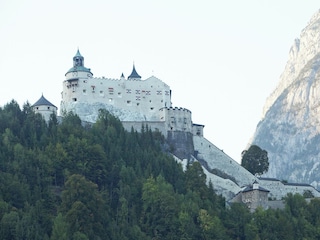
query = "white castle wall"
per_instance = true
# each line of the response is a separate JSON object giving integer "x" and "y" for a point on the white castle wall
{"x": 143, "y": 96}
{"x": 45, "y": 111}
{"x": 278, "y": 190}
{"x": 217, "y": 159}
{"x": 177, "y": 119}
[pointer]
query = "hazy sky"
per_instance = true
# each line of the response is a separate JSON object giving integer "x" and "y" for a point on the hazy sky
{"x": 221, "y": 59}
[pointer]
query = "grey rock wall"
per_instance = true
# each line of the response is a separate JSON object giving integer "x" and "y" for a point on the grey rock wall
{"x": 290, "y": 126}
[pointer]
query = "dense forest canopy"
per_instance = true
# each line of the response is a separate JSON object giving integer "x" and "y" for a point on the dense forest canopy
{"x": 69, "y": 180}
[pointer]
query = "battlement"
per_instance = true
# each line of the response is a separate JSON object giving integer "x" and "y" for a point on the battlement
{"x": 105, "y": 79}
{"x": 175, "y": 109}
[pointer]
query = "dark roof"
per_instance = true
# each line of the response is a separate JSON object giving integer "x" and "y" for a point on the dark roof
{"x": 78, "y": 54}
{"x": 43, "y": 101}
{"x": 250, "y": 188}
{"x": 195, "y": 124}
{"x": 122, "y": 76}
{"x": 80, "y": 69}
{"x": 134, "y": 73}
{"x": 268, "y": 179}
{"x": 298, "y": 184}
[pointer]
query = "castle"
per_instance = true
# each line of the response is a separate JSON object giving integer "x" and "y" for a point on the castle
{"x": 138, "y": 102}
{"x": 133, "y": 100}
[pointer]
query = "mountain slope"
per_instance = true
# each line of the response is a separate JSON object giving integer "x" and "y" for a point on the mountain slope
{"x": 290, "y": 129}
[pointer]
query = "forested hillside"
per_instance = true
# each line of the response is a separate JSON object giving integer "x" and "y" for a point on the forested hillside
{"x": 69, "y": 181}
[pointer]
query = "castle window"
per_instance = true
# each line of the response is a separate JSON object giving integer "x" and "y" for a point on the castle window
{"x": 110, "y": 90}
{"x": 138, "y": 104}
{"x": 48, "y": 108}
{"x": 119, "y": 94}
{"x": 151, "y": 108}
{"x": 37, "y": 108}
{"x": 129, "y": 102}
{"x": 74, "y": 99}
{"x": 101, "y": 92}
{"x": 84, "y": 91}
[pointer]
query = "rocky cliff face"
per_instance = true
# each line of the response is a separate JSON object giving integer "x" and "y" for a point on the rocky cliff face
{"x": 290, "y": 127}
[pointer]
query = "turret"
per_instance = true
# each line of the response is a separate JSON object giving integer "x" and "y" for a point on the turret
{"x": 78, "y": 69}
{"x": 134, "y": 75}
{"x": 78, "y": 60}
{"x": 44, "y": 107}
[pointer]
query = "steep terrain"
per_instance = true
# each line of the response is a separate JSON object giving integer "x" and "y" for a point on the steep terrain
{"x": 289, "y": 129}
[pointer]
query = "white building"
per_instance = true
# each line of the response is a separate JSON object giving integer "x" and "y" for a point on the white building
{"x": 132, "y": 94}
{"x": 134, "y": 100}
{"x": 45, "y": 108}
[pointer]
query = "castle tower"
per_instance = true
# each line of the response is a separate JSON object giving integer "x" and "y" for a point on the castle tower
{"x": 255, "y": 196}
{"x": 134, "y": 75}
{"x": 44, "y": 107}
{"x": 78, "y": 69}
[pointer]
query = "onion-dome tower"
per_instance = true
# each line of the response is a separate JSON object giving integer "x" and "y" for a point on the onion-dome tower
{"x": 78, "y": 69}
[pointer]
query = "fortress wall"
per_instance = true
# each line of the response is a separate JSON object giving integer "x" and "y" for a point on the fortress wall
{"x": 177, "y": 119}
{"x": 275, "y": 187}
{"x": 181, "y": 144}
{"x": 144, "y": 96}
{"x": 217, "y": 159}
{"x": 197, "y": 130}
{"x": 278, "y": 190}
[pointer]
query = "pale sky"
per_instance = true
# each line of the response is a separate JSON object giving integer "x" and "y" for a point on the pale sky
{"x": 222, "y": 59}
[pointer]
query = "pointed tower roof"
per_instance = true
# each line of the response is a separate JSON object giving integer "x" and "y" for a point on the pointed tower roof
{"x": 78, "y": 64}
{"x": 134, "y": 74}
{"x": 43, "y": 101}
{"x": 122, "y": 76}
{"x": 78, "y": 54}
